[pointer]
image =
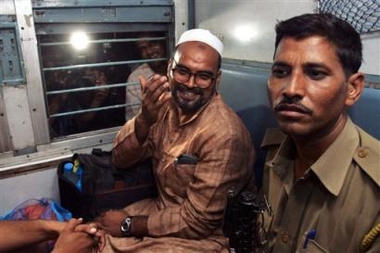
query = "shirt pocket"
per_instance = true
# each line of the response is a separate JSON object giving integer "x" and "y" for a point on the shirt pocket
{"x": 311, "y": 247}
{"x": 183, "y": 175}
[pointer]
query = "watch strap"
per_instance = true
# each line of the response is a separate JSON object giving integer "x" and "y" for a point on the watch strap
{"x": 125, "y": 226}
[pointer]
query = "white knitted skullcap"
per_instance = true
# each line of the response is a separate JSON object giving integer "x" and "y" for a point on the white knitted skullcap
{"x": 204, "y": 36}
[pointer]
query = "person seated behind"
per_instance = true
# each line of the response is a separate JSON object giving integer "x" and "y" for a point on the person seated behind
{"x": 149, "y": 49}
{"x": 322, "y": 171}
{"x": 200, "y": 149}
{"x": 73, "y": 237}
{"x": 76, "y": 101}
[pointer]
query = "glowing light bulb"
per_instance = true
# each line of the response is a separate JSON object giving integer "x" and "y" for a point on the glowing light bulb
{"x": 246, "y": 32}
{"x": 79, "y": 40}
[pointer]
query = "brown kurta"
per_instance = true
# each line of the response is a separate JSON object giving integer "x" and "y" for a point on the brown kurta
{"x": 339, "y": 196}
{"x": 188, "y": 213}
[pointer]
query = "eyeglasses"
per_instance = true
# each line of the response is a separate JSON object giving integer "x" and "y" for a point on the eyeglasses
{"x": 202, "y": 79}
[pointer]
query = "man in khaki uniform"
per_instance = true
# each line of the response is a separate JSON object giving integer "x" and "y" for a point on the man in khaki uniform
{"x": 200, "y": 150}
{"x": 322, "y": 175}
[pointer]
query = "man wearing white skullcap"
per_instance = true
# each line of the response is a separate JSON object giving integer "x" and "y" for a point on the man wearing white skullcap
{"x": 200, "y": 150}
{"x": 204, "y": 36}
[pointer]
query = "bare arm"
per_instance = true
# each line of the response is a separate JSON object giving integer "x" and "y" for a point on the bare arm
{"x": 129, "y": 143}
{"x": 73, "y": 236}
{"x": 77, "y": 238}
{"x": 20, "y": 234}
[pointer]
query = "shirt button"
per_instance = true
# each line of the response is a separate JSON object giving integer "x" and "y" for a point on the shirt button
{"x": 285, "y": 237}
{"x": 362, "y": 153}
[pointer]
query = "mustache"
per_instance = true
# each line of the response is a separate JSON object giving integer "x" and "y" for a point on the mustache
{"x": 183, "y": 88}
{"x": 289, "y": 104}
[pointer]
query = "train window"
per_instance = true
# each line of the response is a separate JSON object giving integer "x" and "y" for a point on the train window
{"x": 87, "y": 53}
{"x": 69, "y": 89}
{"x": 85, "y": 88}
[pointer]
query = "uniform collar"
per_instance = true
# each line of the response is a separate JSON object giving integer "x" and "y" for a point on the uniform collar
{"x": 282, "y": 162}
{"x": 331, "y": 168}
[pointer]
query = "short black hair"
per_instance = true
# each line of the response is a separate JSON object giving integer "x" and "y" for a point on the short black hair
{"x": 337, "y": 31}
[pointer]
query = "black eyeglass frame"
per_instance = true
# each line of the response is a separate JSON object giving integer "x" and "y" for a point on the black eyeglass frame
{"x": 179, "y": 67}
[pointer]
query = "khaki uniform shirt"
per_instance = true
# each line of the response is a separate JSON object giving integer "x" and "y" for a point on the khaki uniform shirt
{"x": 338, "y": 197}
{"x": 187, "y": 215}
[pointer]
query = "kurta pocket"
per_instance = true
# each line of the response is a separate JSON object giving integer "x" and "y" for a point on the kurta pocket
{"x": 183, "y": 176}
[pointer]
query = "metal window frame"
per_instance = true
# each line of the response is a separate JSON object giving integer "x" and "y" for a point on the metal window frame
{"x": 31, "y": 25}
{"x": 11, "y": 56}
{"x": 60, "y": 17}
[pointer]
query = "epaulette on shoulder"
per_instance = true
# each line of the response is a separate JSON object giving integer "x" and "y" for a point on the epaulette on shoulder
{"x": 367, "y": 155}
{"x": 273, "y": 136}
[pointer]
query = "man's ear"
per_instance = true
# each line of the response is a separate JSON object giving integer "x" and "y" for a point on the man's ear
{"x": 355, "y": 88}
{"x": 218, "y": 78}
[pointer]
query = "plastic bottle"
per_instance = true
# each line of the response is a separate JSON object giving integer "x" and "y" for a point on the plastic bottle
{"x": 68, "y": 167}
{"x": 76, "y": 165}
{"x": 79, "y": 171}
{"x": 69, "y": 174}
{"x": 79, "y": 180}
